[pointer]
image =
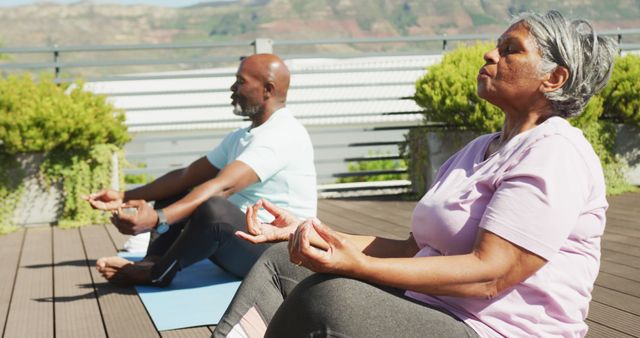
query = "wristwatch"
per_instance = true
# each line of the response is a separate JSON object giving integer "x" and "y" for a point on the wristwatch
{"x": 163, "y": 225}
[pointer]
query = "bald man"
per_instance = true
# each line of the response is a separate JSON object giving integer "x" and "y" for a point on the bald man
{"x": 199, "y": 208}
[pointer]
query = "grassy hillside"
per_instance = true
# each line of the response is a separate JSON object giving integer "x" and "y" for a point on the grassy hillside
{"x": 87, "y": 23}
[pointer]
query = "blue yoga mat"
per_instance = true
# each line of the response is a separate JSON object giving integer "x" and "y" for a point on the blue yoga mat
{"x": 197, "y": 296}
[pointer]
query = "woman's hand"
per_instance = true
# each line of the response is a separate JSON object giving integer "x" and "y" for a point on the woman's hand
{"x": 278, "y": 230}
{"x": 341, "y": 256}
{"x": 106, "y": 199}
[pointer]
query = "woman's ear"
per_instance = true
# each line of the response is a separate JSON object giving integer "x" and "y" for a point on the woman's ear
{"x": 554, "y": 80}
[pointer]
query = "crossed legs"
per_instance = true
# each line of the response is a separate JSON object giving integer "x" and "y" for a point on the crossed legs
{"x": 280, "y": 299}
{"x": 208, "y": 233}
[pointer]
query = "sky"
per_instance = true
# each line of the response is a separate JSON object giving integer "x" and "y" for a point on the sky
{"x": 168, "y": 3}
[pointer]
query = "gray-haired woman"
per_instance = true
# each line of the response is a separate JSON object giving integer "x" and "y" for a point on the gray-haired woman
{"x": 505, "y": 243}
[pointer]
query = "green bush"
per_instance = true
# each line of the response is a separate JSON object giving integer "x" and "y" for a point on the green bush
{"x": 621, "y": 97}
{"x": 76, "y": 130}
{"x": 372, "y": 165}
{"x": 43, "y": 117}
{"x": 447, "y": 92}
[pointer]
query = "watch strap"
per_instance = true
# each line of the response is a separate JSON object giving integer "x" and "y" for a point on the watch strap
{"x": 163, "y": 225}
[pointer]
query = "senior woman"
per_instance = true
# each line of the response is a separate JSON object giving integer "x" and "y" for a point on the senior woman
{"x": 505, "y": 243}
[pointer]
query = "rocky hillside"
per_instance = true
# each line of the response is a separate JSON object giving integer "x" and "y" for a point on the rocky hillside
{"x": 91, "y": 23}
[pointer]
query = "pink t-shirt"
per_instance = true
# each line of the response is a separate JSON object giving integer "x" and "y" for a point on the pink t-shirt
{"x": 543, "y": 191}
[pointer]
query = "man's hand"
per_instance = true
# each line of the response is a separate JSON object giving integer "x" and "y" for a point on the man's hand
{"x": 144, "y": 220}
{"x": 278, "y": 230}
{"x": 106, "y": 199}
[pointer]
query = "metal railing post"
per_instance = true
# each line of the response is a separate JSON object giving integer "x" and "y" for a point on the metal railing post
{"x": 56, "y": 56}
{"x": 263, "y": 46}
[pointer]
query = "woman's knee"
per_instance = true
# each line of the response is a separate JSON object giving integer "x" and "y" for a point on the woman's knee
{"x": 276, "y": 255}
{"x": 320, "y": 303}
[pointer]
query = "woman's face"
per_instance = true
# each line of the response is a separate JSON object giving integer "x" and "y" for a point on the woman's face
{"x": 510, "y": 78}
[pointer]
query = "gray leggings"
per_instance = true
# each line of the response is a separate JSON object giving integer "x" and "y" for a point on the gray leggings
{"x": 296, "y": 302}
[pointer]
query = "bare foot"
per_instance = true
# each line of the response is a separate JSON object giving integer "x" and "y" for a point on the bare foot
{"x": 121, "y": 271}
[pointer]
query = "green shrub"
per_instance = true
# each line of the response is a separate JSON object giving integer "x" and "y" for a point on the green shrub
{"x": 42, "y": 117}
{"x": 622, "y": 94}
{"x": 375, "y": 165}
{"x": 447, "y": 92}
{"x": 76, "y": 130}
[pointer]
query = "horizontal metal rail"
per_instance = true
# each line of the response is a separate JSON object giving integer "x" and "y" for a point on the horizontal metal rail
{"x": 232, "y": 74}
{"x": 119, "y": 63}
{"x": 300, "y": 118}
{"x": 359, "y": 55}
{"x": 132, "y": 47}
{"x": 268, "y": 44}
{"x": 222, "y": 105}
{"x": 371, "y": 173}
{"x": 147, "y": 155}
{"x": 373, "y": 158}
{"x": 373, "y": 144}
{"x": 355, "y": 186}
{"x": 248, "y": 43}
{"x": 293, "y": 87}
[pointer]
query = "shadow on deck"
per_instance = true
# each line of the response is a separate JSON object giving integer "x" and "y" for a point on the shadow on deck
{"x": 48, "y": 286}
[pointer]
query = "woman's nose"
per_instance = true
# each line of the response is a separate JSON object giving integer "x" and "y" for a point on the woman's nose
{"x": 492, "y": 56}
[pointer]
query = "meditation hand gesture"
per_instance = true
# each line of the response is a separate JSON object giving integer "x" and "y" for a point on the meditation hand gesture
{"x": 106, "y": 199}
{"x": 144, "y": 219}
{"x": 339, "y": 256}
{"x": 278, "y": 230}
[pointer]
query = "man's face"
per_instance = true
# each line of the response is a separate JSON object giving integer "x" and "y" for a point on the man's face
{"x": 247, "y": 92}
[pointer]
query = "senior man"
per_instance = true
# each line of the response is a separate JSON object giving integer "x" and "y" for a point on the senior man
{"x": 199, "y": 208}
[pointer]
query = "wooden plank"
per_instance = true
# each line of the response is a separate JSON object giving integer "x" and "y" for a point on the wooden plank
{"x": 629, "y": 232}
{"x": 597, "y": 330}
{"x": 619, "y": 247}
{"x": 122, "y": 311}
{"x": 381, "y": 210}
{"x": 620, "y": 270}
{"x": 10, "y": 246}
{"x": 76, "y": 305}
{"x": 31, "y": 313}
{"x": 620, "y": 258}
{"x": 622, "y": 239}
{"x": 620, "y": 320}
{"x": 117, "y": 238}
{"x": 616, "y": 299}
{"x": 349, "y": 219}
{"x": 619, "y": 284}
{"x": 195, "y": 332}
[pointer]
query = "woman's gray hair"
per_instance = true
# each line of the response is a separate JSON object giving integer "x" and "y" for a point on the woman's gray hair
{"x": 575, "y": 46}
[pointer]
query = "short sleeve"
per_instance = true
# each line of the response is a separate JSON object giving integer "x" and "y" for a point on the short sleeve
{"x": 219, "y": 156}
{"x": 538, "y": 200}
{"x": 265, "y": 158}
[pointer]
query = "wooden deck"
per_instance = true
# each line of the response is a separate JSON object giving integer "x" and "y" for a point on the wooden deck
{"x": 48, "y": 287}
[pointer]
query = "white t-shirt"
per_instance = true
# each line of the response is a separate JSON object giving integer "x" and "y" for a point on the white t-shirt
{"x": 280, "y": 152}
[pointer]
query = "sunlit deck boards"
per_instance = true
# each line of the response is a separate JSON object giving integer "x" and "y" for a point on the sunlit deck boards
{"x": 48, "y": 286}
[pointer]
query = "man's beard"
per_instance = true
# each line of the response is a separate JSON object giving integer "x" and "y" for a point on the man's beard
{"x": 248, "y": 112}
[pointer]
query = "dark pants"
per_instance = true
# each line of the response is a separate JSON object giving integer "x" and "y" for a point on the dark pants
{"x": 207, "y": 233}
{"x": 295, "y": 302}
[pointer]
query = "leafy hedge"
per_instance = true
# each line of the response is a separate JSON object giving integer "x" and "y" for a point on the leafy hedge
{"x": 447, "y": 92}
{"x": 77, "y": 131}
{"x": 372, "y": 165}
